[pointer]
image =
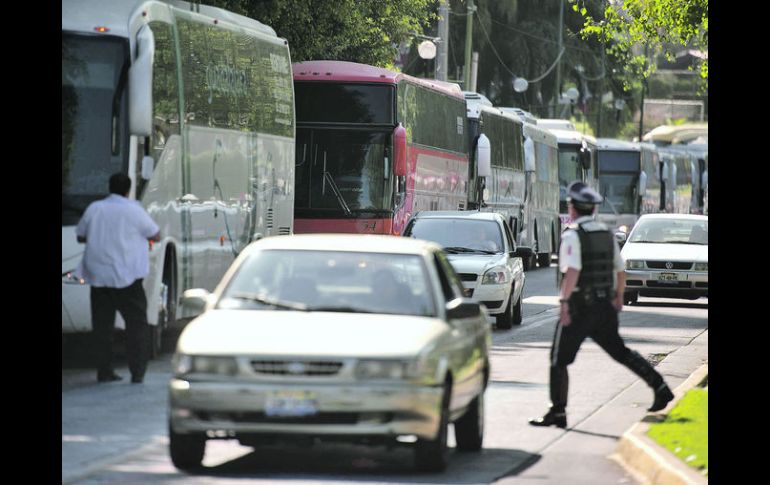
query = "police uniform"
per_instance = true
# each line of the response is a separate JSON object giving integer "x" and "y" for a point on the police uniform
{"x": 589, "y": 247}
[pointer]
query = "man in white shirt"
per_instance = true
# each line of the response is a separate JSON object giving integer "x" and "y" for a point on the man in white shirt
{"x": 116, "y": 231}
{"x": 591, "y": 295}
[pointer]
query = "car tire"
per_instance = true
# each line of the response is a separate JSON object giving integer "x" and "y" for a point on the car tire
{"x": 544, "y": 260}
{"x": 186, "y": 450}
{"x": 505, "y": 319}
{"x": 469, "y": 429}
{"x": 431, "y": 455}
{"x": 517, "y": 312}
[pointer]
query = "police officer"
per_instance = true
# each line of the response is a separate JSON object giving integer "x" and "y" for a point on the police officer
{"x": 591, "y": 295}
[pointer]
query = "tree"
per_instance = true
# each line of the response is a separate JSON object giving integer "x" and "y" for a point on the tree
{"x": 655, "y": 24}
{"x": 365, "y": 31}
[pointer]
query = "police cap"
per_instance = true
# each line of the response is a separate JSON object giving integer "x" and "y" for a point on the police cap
{"x": 582, "y": 196}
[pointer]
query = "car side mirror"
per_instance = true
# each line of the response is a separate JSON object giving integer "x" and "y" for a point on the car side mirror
{"x": 523, "y": 252}
{"x": 620, "y": 237}
{"x": 194, "y": 302}
{"x": 462, "y": 308}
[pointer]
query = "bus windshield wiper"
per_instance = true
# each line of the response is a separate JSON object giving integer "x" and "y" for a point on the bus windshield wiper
{"x": 335, "y": 189}
{"x": 269, "y": 301}
{"x": 609, "y": 202}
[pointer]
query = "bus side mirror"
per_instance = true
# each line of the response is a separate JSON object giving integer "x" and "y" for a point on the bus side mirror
{"x": 483, "y": 157}
{"x": 399, "y": 151}
{"x": 148, "y": 166}
{"x": 140, "y": 85}
{"x": 642, "y": 183}
{"x": 529, "y": 155}
{"x": 585, "y": 158}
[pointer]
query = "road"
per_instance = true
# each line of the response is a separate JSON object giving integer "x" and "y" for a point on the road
{"x": 116, "y": 433}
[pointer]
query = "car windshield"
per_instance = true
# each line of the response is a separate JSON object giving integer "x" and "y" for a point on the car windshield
{"x": 459, "y": 235}
{"x": 333, "y": 281}
{"x": 671, "y": 231}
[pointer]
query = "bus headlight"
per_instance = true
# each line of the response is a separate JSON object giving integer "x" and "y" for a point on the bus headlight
{"x": 631, "y": 264}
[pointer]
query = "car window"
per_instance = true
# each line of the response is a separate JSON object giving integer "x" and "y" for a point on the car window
{"x": 509, "y": 237}
{"x": 451, "y": 285}
{"x": 670, "y": 231}
{"x": 331, "y": 281}
{"x": 460, "y": 234}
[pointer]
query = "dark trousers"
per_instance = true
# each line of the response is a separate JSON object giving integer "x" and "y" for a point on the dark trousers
{"x": 131, "y": 302}
{"x": 598, "y": 320}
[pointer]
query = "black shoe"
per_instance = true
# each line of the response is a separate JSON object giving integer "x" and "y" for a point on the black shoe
{"x": 663, "y": 396}
{"x": 137, "y": 379}
{"x": 108, "y": 377}
{"x": 551, "y": 418}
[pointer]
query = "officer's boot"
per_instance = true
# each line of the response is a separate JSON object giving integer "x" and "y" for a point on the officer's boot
{"x": 644, "y": 369}
{"x": 559, "y": 387}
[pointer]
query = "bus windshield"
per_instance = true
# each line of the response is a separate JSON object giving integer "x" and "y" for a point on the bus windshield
{"x": 569, "y": 171}
{"x": 619, "y": 192}
{"x": 94, "y": 128}
{"x": 322, "y": 102}
{"x": 343, "y": 172}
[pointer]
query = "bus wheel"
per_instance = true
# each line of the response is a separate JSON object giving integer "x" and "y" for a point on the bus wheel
{"x": 544, "y": 260}
{"x": 167, "y": 313}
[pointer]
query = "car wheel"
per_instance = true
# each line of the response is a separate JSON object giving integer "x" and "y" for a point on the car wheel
{"x": 517, "y": 312}
{"x": 544, "y": 260}
{"x": 505, "y": 319}
{"x": 186, "y": 450}
{"x": 431, "y": 455}
{"x": 469, "y": 429}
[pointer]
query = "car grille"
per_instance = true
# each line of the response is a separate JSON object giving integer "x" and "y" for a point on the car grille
{"x": 296, "y": 368}
{"x": 468, "y": 276}
{"x": 674, "y": 265}
{"x": 320, "y": 418}
{"x": 634, "y": 283}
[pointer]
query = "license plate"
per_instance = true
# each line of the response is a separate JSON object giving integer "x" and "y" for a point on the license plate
{"x": 291, "y": 403}
{"x": 666, "y": 277}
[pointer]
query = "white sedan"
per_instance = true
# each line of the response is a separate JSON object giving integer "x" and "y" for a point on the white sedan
{"x": 366, "y": 338}
{"x": 666, "y": 255}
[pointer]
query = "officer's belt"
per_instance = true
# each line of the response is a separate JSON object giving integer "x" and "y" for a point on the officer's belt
{"x": 588, "y": 295}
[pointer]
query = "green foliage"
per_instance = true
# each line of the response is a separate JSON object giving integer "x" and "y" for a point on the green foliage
{"x": 685, "y": 430}
{"x": 656, "y": 24}
{"x": 366, "y": 31}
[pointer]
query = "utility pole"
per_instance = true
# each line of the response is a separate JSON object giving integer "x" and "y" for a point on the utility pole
{"x": 558, "y": 63}
{"x": 442, "y": 66}
{"x": 468, "y": 42}
{"x": 474, "y": 70}
{"x": 601, "y": 96}
{"x": 641, "y": 110}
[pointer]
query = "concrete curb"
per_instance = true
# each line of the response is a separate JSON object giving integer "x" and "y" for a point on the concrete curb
{"x": 647, "y": 460}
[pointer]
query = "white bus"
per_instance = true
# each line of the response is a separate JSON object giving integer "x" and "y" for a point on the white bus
{"x": 196, "y": 105}
{"x": 577, "y": 161}
{"x": 685, "y": 173}
{"x": 542, "y": 227}
{"x": 621, "y": 182}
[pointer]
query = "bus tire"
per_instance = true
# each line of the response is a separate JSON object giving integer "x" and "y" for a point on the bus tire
{"x": 544, "y": 260}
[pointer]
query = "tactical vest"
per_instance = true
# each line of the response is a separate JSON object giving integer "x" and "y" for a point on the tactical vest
{"x": 596, "y": 280}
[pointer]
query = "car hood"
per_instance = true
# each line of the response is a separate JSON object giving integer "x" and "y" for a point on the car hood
{"x": 317, "y": 334}
{"x": 665, "y": 252}
{"x": 475, "y": 263}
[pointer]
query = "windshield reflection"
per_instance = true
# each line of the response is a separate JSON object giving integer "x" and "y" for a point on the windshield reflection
{"x": 331, "y": 281}
{"x": 671, "y": 231}
{"x": 460, "y": 236}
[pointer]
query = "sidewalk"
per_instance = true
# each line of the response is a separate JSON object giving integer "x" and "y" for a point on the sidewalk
{"x": 650, "y": 462}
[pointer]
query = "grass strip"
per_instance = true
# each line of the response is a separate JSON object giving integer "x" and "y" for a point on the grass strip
{"x": 685, "y": 430}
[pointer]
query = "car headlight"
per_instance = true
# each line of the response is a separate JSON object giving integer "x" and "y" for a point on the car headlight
{"x": 496, "y": 276}
{"x": 202, "y": 364}
{"x": 701, "y": 267}
{"x": 381, "y": 369}
{"x": 631, "y": 264}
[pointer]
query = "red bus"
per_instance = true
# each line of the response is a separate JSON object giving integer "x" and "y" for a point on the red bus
{"x": 374, "y": 146}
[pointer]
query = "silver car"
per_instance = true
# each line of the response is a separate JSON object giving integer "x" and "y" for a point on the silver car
{"x": 667, "y": 255}
{"x": 365, "y": 338}
{"x": 482, "y": 250}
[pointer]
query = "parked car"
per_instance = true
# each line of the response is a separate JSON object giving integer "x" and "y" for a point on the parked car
{"x": 359, "y": 337}
{"x": 667, "y": 255}
{"x": 482, "y": 250}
